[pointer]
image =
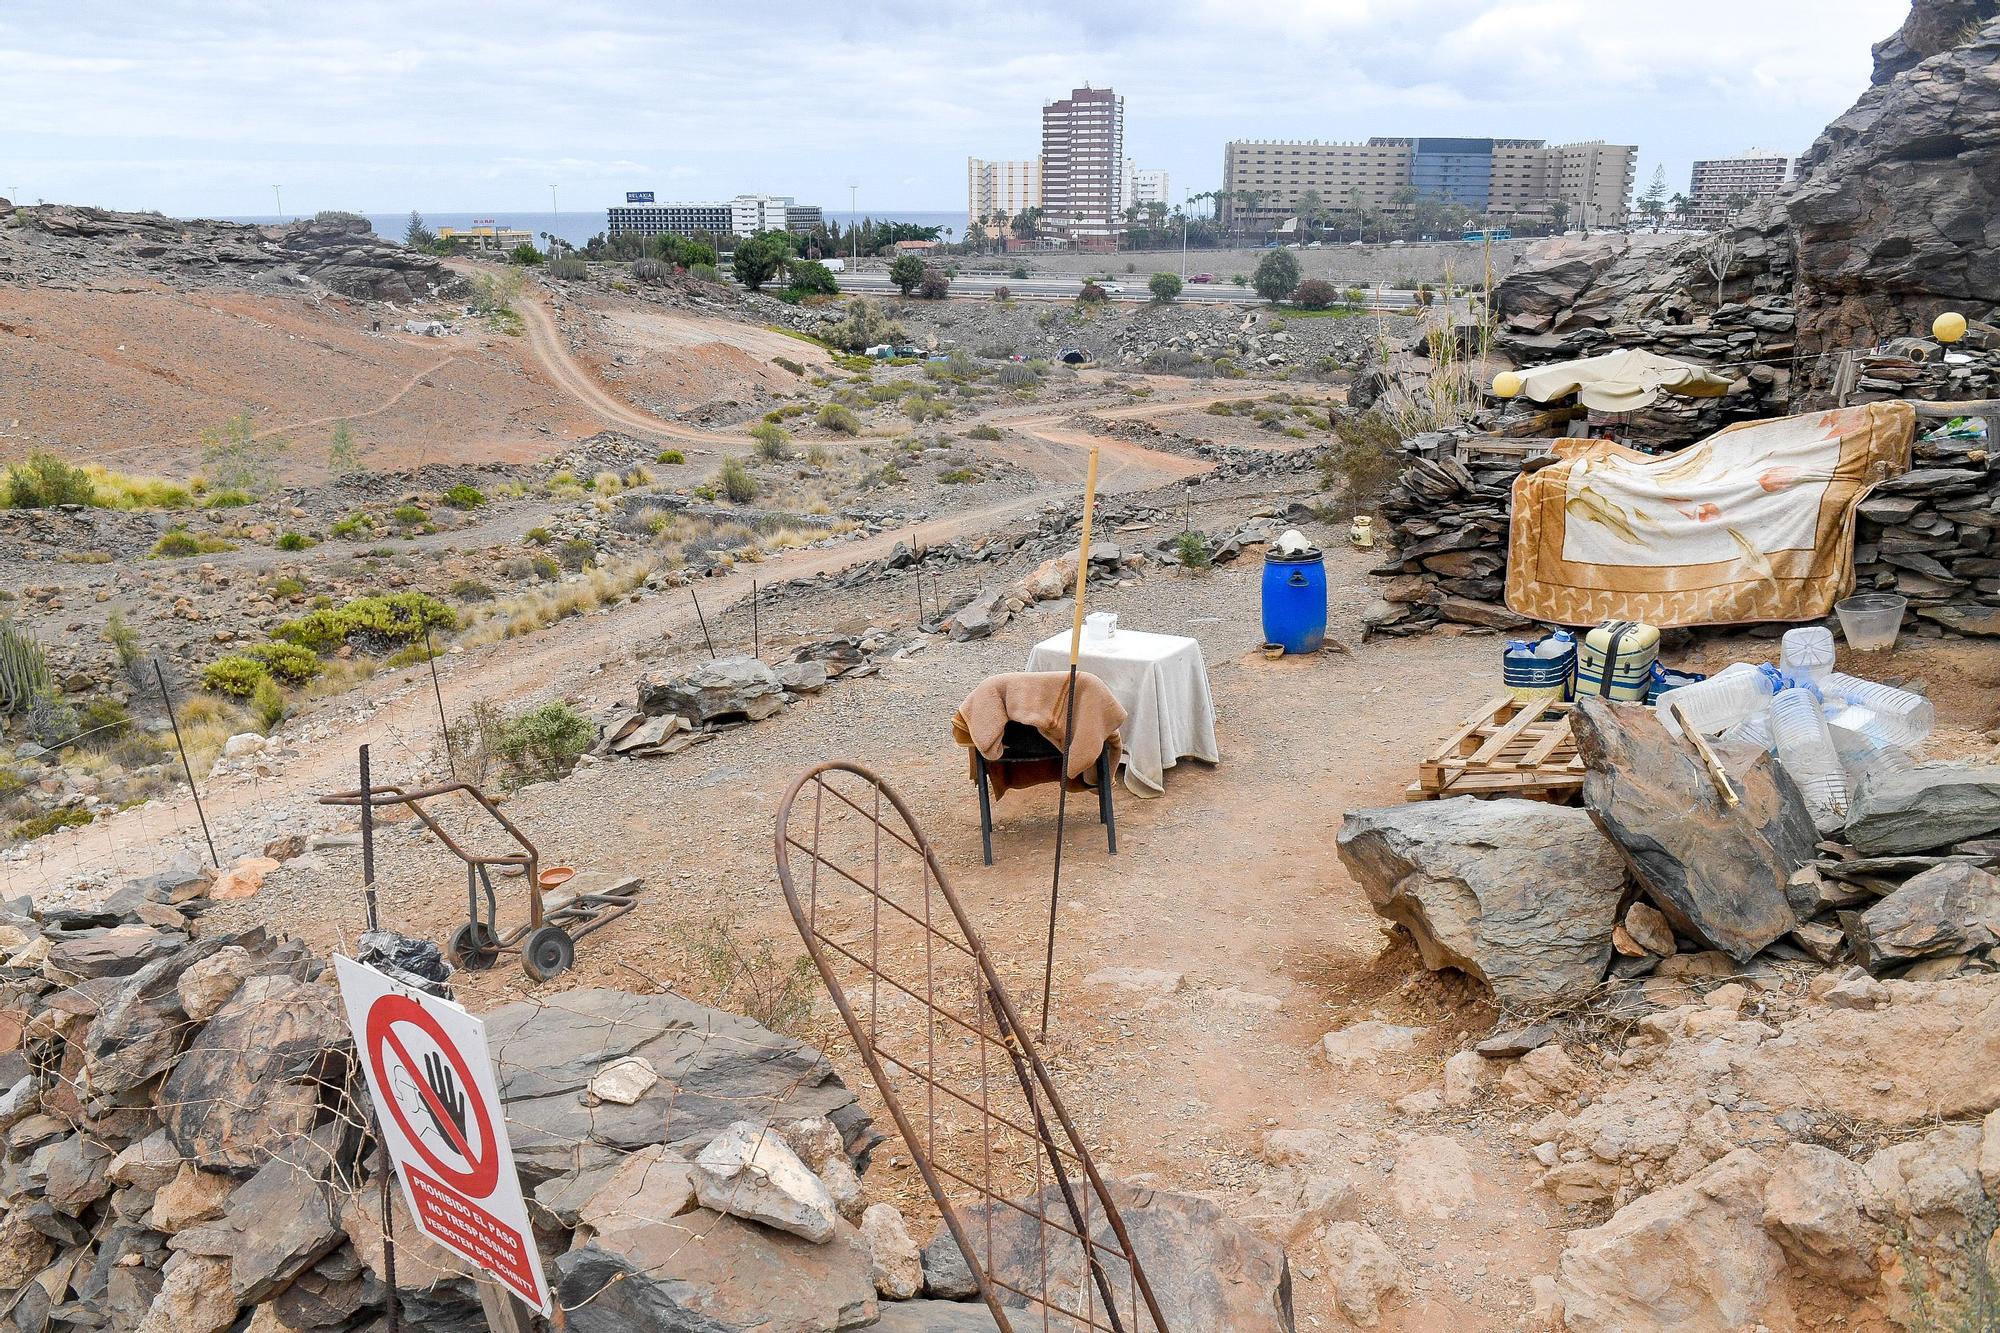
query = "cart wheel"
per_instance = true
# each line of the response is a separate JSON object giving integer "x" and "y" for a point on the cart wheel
{"x": 548, "y": 953}
{"x": 473, "y": 947}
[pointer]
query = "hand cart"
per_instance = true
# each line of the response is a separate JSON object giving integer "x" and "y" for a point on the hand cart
{"x": 547, "y": 941}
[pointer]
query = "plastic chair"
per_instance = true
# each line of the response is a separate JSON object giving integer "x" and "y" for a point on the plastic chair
{"x": 1022, "y": 744}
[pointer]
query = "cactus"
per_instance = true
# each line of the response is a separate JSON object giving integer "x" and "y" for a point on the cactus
{"x": 24, "y": 671}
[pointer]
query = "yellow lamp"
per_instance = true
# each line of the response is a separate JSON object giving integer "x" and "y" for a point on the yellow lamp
{"x": 1948, "y": 327}
{"x": 1507, "y": 384}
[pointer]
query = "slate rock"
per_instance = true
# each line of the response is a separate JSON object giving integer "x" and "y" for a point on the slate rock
{"x": 1719, "y": 873}
{"x": 1521, "y": 894}
{"x": 1206, "y": 1270}
{"x": 725, "y": 689}
{"x": 897, "y": 1264}
{"x": 1513, "y": 1042}
{"x": 935, "y": 1317}
{"x": 117, "y": 952}
{"x": 1925, "y": 807}
{"x": 711, "y": 1066}
{"x": 650, "y": 1187}
{"x": 947, "y": 1276}
{"x": 250, "y": 1082}
{"x": 1952, "y": 909}
{"x": 707, "y": 1272}
{"x": 749, "y": 1171}
{"x": 137, "y": 1033}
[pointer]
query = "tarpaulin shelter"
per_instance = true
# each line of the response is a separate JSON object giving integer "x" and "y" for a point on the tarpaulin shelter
{"x": 1621, "y": 381}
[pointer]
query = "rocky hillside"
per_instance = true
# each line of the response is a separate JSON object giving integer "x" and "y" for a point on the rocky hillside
{"x": 59, "y": 244}
{"x": 1892, "y": 223}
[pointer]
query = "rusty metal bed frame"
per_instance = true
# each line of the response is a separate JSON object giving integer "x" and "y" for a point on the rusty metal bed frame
{"x": 927, "y": 1010}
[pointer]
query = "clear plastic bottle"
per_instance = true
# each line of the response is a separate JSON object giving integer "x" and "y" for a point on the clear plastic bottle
{"x": 1806, "y": 653}
{"x": 1901, "y": 718}
{"x": 1719, "y": 702}
{"x": 1806, "y": 749}
{"x": 1861, "y": 758}
{"x": 1753, "y": 730}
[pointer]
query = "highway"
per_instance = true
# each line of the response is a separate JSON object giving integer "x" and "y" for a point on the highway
{"x": 1131, "y": 287}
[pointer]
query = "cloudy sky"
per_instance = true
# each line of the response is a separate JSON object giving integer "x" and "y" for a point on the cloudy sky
{"x": 200, "y": 106}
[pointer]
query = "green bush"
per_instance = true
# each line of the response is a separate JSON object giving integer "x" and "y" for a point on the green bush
{"x": 735, "y": 481}
{"x": 471, "y": 590}
{"x": 1192, "y": 548}
{"x": 773, "y": 441}
{"x": 462, "y": 496}
{"x": 568, "y": 268}
{"x": 1277, "y": 275}
{"x": 544, "y": 743}
{"x": 524, "y": 254}
{"x": 409, "y": 516}
{"x": 63, "y": 816}
{"x": 45, "y": 481}
{"x": 1315, "y": 294}
{"x": 545, "y": 567}
{"x": 983, "y": 432}
{"x": 958, "y": 476}
{"x": 285, "y": 586}
{"x": 294, "y": 541}
{"x": 538, "y": 537}
{"x": 286, "y": 661}
{"x": 1165, "y": 287}
{"x": 378, "y": 623}
{"x": 178, "y": 542}
{"x": 1018, "y": 273}
{"x": 355, "y": 525}
{"x": 834, "y": 417}
{"x": 267, "y": 701}
{"x": 236, "y": 675}
{"x": 578, "y": 553}
{"x": 671, "y": 456}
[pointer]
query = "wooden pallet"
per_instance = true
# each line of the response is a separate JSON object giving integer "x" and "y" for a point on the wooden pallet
{"x": 1507, "y": 748}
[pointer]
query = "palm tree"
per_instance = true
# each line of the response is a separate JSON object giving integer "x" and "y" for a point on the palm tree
{"x": 1311, "y": 209}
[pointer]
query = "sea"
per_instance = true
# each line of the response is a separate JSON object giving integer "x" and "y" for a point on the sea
{"x": 579, "y": 226}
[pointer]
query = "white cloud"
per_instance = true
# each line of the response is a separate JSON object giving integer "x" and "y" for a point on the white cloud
{"x": 197, "y": 105}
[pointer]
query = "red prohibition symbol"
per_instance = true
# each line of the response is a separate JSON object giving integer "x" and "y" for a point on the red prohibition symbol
{"x": 382, "y": 1018}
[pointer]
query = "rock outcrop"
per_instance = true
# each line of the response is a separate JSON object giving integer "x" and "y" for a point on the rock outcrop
{"x": 1522, "y": 895}
{"x": 49, "y": 243}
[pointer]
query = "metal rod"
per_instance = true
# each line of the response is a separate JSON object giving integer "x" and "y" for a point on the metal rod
{"x": 367, "y": 840}
{"x": 388, "y": 1221}
{"x": 704, "y": 624}
{"x": 444, "y": 727}
{"x": 186, "y": 767}
{"x": 1069, "y": 731}
{"x": 1056, "y": 1165}
{"x": 756, "y": 627}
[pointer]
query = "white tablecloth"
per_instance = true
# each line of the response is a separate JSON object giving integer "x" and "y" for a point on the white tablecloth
{"x": 1163, "y": 683}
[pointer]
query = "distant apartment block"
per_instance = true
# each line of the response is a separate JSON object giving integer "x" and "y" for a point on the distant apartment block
{"x": 1265, "y": 180}
{"x": 486, "y": 237}
{"x": 1007, "y": 187}
{"x": 1144, "y": 187}
{"x": 745, "y": 215}
{"x": 1718, "y": 181}
{"x": 1083, "y": 160}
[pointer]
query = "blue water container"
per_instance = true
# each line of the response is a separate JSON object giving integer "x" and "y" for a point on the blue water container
{"x": 1295, "y": 600}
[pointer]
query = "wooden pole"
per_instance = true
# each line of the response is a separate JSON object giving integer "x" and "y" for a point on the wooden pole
{"x": 1069, "y": 730}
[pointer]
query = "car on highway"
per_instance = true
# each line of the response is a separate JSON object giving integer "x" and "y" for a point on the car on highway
{"x": 1202, "y": 277}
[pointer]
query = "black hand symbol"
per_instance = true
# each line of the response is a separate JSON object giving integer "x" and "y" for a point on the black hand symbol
{"x": 438, "y": 1075}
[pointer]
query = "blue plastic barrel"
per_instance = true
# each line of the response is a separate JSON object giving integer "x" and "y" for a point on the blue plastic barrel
{"x": 1295, "y": 601}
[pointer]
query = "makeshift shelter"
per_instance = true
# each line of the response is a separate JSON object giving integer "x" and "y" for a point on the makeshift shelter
{"x": 1621, "y": 381}
{"x": 1755, "y": 523}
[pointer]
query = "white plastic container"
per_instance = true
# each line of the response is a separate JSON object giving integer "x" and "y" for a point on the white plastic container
{"x": 1806, "y": 653}
{"x": 1718, "y": 703}
{"x": 1902, "y": 718}
{"x": 1862, "y": 759}
{"x": 1100, "y": 626}
{"x": 1870, "y": 621}
{"x": 1806, "y": 749}
{"x": 1753, "y": 730}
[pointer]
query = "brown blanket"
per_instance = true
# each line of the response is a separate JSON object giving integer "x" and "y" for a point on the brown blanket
{"x": 1039, "y": 699}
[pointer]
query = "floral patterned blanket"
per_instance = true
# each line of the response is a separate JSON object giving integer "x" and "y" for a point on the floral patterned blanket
{"x": 1755, "y": 523}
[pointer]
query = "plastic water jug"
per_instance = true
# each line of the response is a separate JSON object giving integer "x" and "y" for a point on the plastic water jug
{"x": 1901, "y": 717}
{"x": 1862, "y": 759}
{"x": 1544, "y": 669}
{"x": 1753, "y": 730}
{"x": 1805, "y": 748}
{"x": 1806, "y": 653}
{"x": 1720, "y": 702}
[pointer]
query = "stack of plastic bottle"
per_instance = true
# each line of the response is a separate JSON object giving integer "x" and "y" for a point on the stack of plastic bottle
{"x": 1830, "y": 731}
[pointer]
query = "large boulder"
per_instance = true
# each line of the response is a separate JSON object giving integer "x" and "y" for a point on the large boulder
{"x": 1719, "y": 872}
{"x": 1206, "y": 1270}
{"x": 1949, "y": 909}
{"x": 1520, "y": 894}
{"x": 1921, "y": 808}
{"x": 748, "y": 1171}
{"x": 251, "y": 1082}
{"x": 708, "y": 1272}
{"x": 1691, "y": 1258}
{"x": 711, "y": 1066}
{"x": 727, "y": 689}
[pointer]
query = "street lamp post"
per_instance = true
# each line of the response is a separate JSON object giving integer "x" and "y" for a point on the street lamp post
{"x": 1184, "y": 221}
{"x": 278, "y": 194}
{"x": 853, "y": 221}
{"x": 555, "y": 229}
